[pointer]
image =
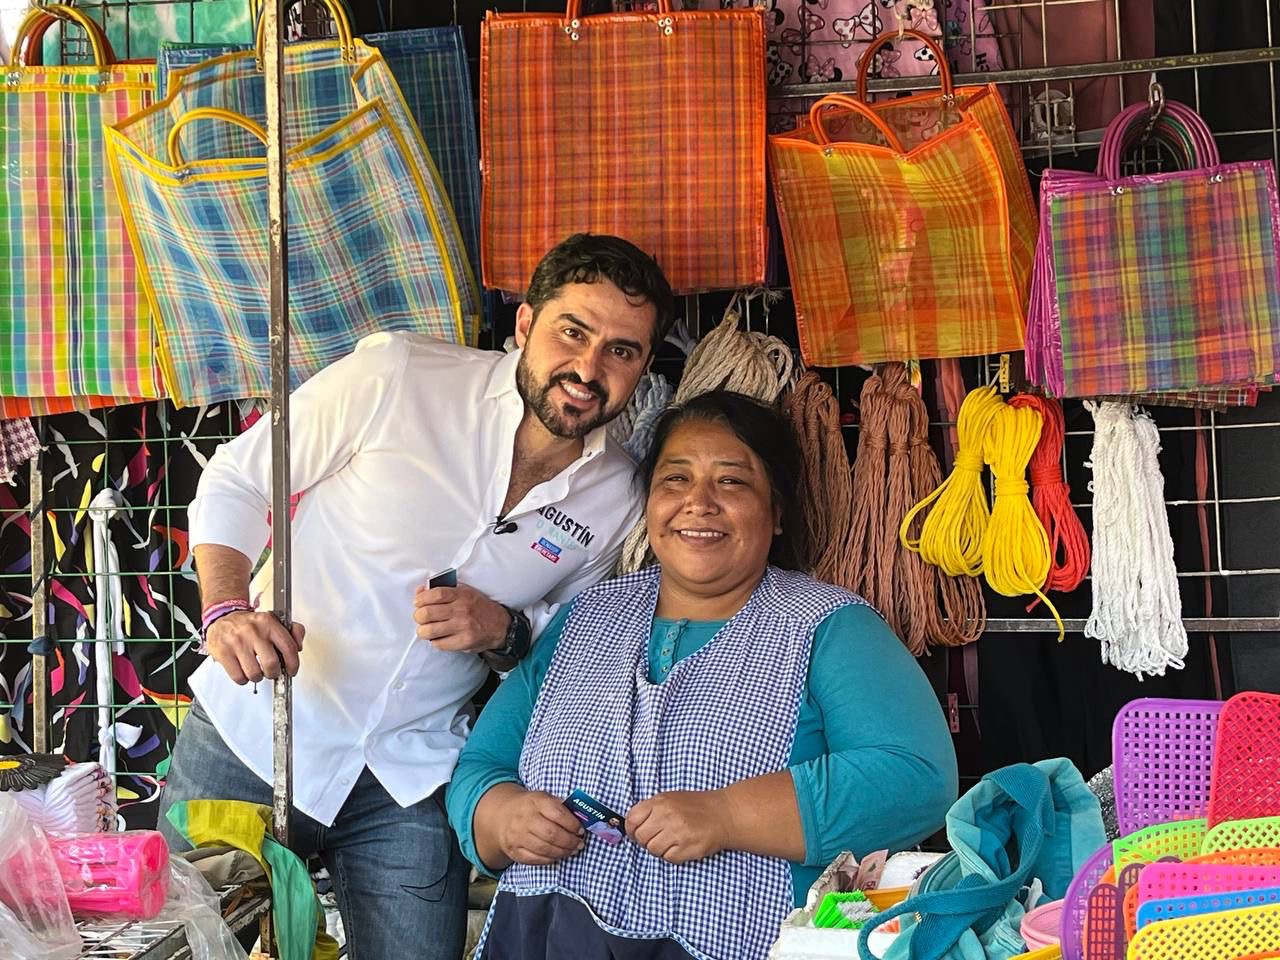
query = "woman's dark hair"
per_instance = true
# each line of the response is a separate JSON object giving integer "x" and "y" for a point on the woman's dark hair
{"x": 586, "y": 257}
{"x": 769, "y": 436}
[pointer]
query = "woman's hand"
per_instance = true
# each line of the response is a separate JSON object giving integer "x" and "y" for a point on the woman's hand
{"x": 515, "y": 825}
{"x": 680, "y": 826}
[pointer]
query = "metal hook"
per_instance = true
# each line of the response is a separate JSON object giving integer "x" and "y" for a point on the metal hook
{"x": 1155, "y": 107}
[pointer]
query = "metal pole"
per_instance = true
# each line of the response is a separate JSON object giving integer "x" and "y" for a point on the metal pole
{"x": 277, "y": 216}
{"x": 39, "y": 612}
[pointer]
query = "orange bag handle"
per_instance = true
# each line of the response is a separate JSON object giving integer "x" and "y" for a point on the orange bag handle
{"x": 39, "y": 19}
{"x": 573, "y": 11}
{"x": 857, "y": 106}
{"x": 939, "y": 55}
{"x": 209, "y": 113}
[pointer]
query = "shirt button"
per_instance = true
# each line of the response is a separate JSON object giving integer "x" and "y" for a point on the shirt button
{"x": 399, "y": 687}
{"x": 666, "y": 651}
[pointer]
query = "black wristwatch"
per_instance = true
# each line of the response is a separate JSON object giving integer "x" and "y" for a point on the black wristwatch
{"x": 519, "y": 637}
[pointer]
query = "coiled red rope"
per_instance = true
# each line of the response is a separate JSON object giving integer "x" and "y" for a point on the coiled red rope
{"x": 1051, "y": 498}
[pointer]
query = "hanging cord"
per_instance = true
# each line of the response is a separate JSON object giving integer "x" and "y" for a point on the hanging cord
{"x": 895, "y": 465}
{"x": 1015, "y": 548}
{"x": 1137, "y": 608}
{"x": 755, "y": 364}
{"x": 951, "y": 536}
{"x": 826, "y": 483}
{"x": 1051, "y": 497}
{"x": 633, "y": 428}
{"x": 960, "y": 616}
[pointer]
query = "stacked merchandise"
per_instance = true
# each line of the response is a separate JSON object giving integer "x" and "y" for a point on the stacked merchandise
{"x": 1196, "y": 872}
{"x": 80, "y": 799}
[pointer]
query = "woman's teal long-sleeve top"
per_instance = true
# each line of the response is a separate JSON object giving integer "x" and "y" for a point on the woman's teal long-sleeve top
{"x": 872, "y": 763}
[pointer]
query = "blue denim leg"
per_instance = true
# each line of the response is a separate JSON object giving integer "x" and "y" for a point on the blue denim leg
{"x": 204, "y": 768}
{"x": 400, "y": 878}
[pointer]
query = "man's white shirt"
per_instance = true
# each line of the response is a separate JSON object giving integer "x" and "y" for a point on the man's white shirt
{"x": 402, "y": 452}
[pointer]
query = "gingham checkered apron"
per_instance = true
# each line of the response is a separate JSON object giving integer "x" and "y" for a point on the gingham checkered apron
{"x": 601, "y": 726}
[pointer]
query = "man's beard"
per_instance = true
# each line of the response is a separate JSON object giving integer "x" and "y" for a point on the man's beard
{"x": 567, "y": 426}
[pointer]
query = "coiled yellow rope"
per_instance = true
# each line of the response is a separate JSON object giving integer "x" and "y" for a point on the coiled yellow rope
{"x": 951, "y": 536}
{"x": 1015, "y": 550}
{"x": 960, "y": 535}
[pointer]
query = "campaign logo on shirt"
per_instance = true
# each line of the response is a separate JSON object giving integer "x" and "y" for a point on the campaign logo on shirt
{"x": 547, "y": 549}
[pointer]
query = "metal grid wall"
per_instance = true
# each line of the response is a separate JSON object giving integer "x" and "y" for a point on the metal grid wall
{"x": 1048, "y": 139}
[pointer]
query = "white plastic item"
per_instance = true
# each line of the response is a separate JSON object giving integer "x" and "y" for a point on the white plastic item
{"x": 35, "y": 923}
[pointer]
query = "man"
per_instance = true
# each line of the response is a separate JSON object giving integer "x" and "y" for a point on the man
{"x": 415, "y": 457}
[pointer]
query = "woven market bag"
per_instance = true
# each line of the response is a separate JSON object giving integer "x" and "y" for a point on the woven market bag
{"x": 368, "y": 248}
{"x": 430, "y": 67}
{"x": 649, "y": 126}
{"x": 1156, "y": 282}
{"x": 908, "y": 226}
{"x": 74, "y": 321}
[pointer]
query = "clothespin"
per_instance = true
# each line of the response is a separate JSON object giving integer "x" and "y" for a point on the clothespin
{"x": 914, "y": 376}
{"x": 1003, "y": 375}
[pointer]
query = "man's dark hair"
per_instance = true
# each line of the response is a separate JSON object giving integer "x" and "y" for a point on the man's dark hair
{"x": 770, "y": 437}
{"x": 587, "y": 257}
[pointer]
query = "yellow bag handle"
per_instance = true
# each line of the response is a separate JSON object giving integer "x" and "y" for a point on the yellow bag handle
{"x": 40, "y": 16}
{"x": 337, "y": 10}
{"x": 857, "y": 106}
{"x": 209, "y": 113}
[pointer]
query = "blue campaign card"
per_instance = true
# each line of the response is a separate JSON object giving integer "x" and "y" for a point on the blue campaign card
{"x": 598, "y": 819}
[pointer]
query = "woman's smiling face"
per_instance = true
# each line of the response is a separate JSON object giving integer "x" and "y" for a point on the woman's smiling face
{"x": 710, "y": 512}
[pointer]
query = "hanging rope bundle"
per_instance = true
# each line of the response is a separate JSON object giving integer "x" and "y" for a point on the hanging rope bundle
{"x": 952, "y": 533}
{"x": 1015, "y": 548}
{"x": 961, "y": 616}
{"x": 826, "y": 483}
{"x": 633, "y": 428}
{"x": 1051, "y": 498}
{"x": 727, "y": 358}
{"x": 894, "y": 466}
{"x": 755, "y": 364}
{"x": 1137, "y": 608}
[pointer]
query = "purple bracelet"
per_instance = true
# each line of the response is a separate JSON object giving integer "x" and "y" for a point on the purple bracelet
{"x": 215, "y": 612}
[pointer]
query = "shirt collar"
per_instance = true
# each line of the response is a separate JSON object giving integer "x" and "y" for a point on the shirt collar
{"x": 502, "y": 382}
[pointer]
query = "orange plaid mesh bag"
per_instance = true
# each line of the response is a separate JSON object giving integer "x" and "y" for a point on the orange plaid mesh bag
{"x": 908, "y": 225}
{"x": 649, "y": 126}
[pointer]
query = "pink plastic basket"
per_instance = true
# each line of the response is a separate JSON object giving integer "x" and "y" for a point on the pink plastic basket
{"x": 1163, "y": 754}
{"x": 1164, "y": 881}
{"x": 1042, "y": 926}
{"x": 1246, "y": 761}
{"x": 1076, "y": 903}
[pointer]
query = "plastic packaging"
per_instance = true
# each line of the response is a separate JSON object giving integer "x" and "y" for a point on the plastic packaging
{"x": 35, "y": 918}
{"x": 114, "y": 874}
{"x": 193, "y": 903}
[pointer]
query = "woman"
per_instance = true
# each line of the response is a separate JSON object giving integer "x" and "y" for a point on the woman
{"x": 747, "y": 721}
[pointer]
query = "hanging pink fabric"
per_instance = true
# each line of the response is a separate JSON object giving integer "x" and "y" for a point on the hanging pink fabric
{"x": 822, "y": 41}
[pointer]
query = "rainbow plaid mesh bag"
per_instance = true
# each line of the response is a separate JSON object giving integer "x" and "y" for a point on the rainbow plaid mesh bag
{"x": 73, "y": 318}
{"x": 604, "y": 123}
{"x": 1156, "y": 283}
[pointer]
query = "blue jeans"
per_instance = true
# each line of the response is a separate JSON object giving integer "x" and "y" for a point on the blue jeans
{"x": 400, "y": 879}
